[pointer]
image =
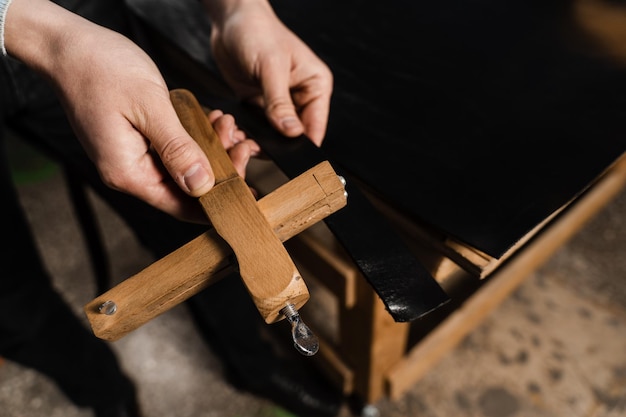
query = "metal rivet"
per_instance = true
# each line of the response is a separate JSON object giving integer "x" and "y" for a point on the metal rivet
{"x": 370, "y": 411}
{"x": 108, "y": 307}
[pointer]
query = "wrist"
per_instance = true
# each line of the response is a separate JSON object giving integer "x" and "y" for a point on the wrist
{"x": 38, "y": 31}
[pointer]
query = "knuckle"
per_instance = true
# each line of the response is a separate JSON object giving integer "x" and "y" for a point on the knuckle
{"x": 116, "y": 180}
{"x": 279, "y": 104}
{"x": 176, "y": 150}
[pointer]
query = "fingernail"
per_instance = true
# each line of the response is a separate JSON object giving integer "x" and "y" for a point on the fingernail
{"x": 196, "y": 177}
{"x": 289, "y": 123}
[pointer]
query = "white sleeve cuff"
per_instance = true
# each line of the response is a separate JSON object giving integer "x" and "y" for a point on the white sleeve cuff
{"x": 4, "y": 6}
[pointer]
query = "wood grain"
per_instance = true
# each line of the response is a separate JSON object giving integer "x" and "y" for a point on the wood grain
{"x": 265, "y": 266}
{"x": 312, "y": 196}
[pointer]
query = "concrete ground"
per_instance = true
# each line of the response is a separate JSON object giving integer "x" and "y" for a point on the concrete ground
{"x": 555, "y": 348}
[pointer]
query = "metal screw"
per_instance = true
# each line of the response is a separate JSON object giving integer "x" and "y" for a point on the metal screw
{"x": 108, "y": 307}
{"x": 343, "y": 181}
{"x": 370, "y": 411}
{"x": 304, "y": 339}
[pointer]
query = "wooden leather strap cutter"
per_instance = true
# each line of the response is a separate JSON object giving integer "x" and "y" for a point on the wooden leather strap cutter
{"x": 253, "y": 230}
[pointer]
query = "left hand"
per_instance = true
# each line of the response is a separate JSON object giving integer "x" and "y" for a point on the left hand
{"x": 266, "y": 63}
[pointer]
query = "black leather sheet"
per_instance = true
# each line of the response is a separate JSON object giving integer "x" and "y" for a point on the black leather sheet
{"x": 479, "y": 118}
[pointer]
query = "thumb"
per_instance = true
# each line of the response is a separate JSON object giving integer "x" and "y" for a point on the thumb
{"x": 181, "y": 155}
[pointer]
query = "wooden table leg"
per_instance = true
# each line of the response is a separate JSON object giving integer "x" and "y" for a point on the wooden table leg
{"x": 371, "y": 342}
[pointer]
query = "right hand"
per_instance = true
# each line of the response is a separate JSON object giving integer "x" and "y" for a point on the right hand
{"x": 119, "y": 107}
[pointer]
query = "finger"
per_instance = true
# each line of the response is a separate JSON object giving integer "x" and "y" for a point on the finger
{"x": 255, "y": 149}
{"x": 279, "y": 107}
{"x": 239, "y": 136}
{"x": 213, "y": 115}
{"x": 240, "y": 155}
{"x": 226, "y": 130}
{"x": 314, "y": 114}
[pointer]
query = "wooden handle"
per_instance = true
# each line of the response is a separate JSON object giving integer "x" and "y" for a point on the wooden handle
{"x": 193, "y": 118}
{"x": 266, "y": 268}
{"x": 290, "y": 209}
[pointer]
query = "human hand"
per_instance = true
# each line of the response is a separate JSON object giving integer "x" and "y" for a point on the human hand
{"x": 265, "y": 63}
{"x": 119, "y": 107}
